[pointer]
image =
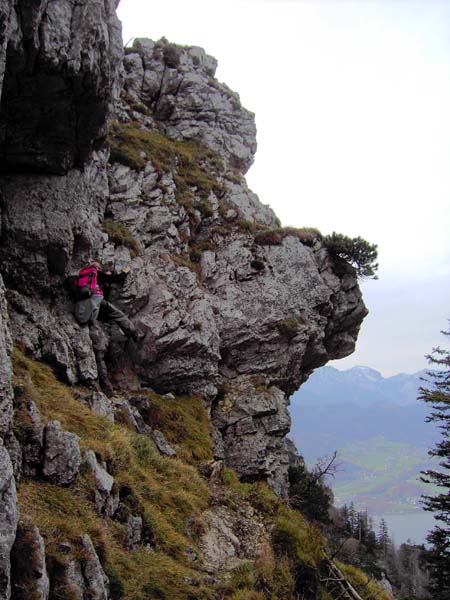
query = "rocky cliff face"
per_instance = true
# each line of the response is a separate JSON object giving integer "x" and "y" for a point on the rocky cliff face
{"x": 232, "y": 308}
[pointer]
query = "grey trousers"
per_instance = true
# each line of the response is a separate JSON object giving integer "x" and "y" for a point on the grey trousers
{"x": 108, "y": 312}
{"x": 105, "y": 311}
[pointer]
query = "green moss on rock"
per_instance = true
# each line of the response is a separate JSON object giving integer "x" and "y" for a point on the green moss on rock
{"x": 120, "y": 235}
{"x": 288, "y": 327}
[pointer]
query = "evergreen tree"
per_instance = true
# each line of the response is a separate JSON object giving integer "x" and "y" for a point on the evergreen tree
{"x": 346, "y": 527}
{"x": 352, "y": 519}
{"x": 384, "y": 541}
{"x": 362, "y": 526}
{"x": 358, "y": 252}
{"x": 437, "y": 395}
{"x": 308, "y": 494}
{"x": 371, "y": 543}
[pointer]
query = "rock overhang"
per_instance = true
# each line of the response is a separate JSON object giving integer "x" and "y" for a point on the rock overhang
{"x": 219, "y": 303}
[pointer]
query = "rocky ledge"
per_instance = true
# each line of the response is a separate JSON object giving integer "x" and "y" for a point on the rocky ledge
{"x": 233, "y": 307}
{"x": 140, "y": 163}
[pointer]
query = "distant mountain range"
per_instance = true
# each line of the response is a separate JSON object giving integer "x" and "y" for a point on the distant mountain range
{"x": 359, "y": 385}
{"x": 378, "y": 427}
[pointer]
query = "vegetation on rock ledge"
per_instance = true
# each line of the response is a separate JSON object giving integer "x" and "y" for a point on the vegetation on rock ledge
{"x": 171, "y": 497}
{"x": 133, "y": 146}
{"x": 358, "y": 252}
{"x": 120, "y": 235}
{"x": 274, "y": 237}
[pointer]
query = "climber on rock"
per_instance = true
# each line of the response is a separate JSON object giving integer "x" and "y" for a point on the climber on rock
{"x": 90, "y": 283}
{"x": 92, "y": 307}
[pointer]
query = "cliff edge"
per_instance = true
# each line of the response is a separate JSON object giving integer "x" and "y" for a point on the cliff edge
{"x": 137, "y": 159}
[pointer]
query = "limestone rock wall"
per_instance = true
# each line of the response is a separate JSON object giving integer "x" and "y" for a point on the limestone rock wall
{"x": 51, "y": 224}
{"x": 230, "y": 306}
{"x": 178, "y": 86}
{"x": 217, "y": 303}
{"x": 224, "y": 307}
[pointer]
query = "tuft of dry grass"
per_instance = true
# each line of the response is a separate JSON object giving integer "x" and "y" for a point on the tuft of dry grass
{"x": 288, "y": 327}
{"x": 366, "y": 587}
{"x": 120, "y": 235}
{"x": 184, "y": 421}
{"x": 167, "y": 493}
{"x": 274, "y": 237}
{"x": 133, "y": 145}
{"x": 171, "y": 497}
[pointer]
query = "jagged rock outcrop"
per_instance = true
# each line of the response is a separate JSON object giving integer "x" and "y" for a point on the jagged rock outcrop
{"x": 230, "y": 306}
{"x": 178, "y": 86}
{"x": 9, "y": 511}
{"x": 5, "y": 12}
{"x": 62, "y": 456}
{"x": 29, "y": 577}
{"x": 253, "y": 421}
{"x": 218, "y": 300}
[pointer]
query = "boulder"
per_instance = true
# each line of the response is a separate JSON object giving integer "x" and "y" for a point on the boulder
{"x": 134, "y": 532}
{"x": 129, "y": 415}
{"x": 81, "y": 577}
{"x": 29, "y": 571}
{"x": 231, "y": 537}
{"x": 31, "y": 437}
{"x": 101, "y": 405}
{"x": 106, "y": 500}
{"x": 162, "y": 444}
{"x": 96, "y": 581}
{"x": 62, "y": 456}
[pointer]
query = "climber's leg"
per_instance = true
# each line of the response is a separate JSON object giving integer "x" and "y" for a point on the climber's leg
{"x": 108, "y": 312}
{"x": 100, "y": 346}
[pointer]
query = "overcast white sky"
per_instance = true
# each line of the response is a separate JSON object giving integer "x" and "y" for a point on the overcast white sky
{"x": 352, "y": 104}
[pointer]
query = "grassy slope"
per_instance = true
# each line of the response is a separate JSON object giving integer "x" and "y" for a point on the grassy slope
{"x": 165, "y": 492}
{"x": 170, "y": 495}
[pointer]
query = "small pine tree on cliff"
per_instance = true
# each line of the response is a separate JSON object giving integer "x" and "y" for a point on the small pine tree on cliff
{"x": 358, "y": 252}
{"x": 437, "y": 395}
{"x": 307, "y": 490}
